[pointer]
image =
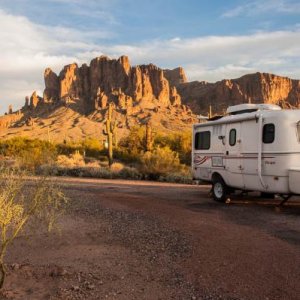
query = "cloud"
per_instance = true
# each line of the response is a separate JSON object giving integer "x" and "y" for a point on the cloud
{"x": 268, "y": 6}
{"x": 216, "y": 57}
{"x": 29, "y": 48}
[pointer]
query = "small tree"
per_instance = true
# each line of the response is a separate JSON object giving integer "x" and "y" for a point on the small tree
{"x": 21, "y": 201}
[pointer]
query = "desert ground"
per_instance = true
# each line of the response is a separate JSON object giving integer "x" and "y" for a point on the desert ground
{"x": 142, "y": 240}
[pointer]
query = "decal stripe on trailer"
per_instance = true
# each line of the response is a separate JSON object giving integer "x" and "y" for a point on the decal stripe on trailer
{"x": 199, "y": 160}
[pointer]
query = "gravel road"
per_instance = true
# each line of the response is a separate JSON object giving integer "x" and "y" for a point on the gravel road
{"x": 142, "y": 240}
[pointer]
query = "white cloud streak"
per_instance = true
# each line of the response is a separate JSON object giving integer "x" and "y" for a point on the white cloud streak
{"x": 260, "y": 7}
{"x": 30, "y": 48}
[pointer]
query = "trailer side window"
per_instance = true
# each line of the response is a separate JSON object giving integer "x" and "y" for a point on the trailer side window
{"x": 298, "y": 131}
{"x": 202, "y": 140}
{"x": 268, "y": 133}
{"x": 232, "y": 137}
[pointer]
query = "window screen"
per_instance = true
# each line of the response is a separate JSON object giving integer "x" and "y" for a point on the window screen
{"x": 232, "y": 137}
{"x": 268, "y": 133}
{"x": 202, "y": 140}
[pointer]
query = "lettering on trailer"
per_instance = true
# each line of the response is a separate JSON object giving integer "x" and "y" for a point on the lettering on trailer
{"x": 268, "y": 162}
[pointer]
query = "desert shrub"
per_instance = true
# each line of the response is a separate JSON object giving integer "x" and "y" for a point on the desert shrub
{"x": 184, "y": 175}
{"x": 92, "y": 147}
{"x": 132, "y": 147}
{"x": 159, "y": 162}
{"x": 74, "y": 160}
{"x": 89, "y": 147}
{"x": 92, "y": 164}
{"x": 29, "y": 153}
{"x": 126, "y": 156}
{"x": 116, "y": 167}
{"x": 98, "y": 173}
{"x": 104, "y": 173}
{"x": 130, "y": 173}
{"x": 135, "y": 140}
{"x": 69, "y": 148}
{"x": 178, "y": 142}
{"x": 22, "y": 202}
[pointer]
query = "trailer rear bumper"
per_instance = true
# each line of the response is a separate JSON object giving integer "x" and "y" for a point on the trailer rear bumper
{"x": 294, "y": 180}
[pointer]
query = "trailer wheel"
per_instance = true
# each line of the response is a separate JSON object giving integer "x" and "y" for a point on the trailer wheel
{"x": 219, "y": 189}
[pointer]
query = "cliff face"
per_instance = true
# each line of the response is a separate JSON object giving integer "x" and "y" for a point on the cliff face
{"x": 147, "y": 86}
{"x": 74, "y": 103}
{"x": 176, "y": 76}
{"x": 110, "y": 80}
{"x": 252, "y": 88}
{"x": 140, "y": 94}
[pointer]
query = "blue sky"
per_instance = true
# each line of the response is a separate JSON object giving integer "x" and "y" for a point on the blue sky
{"x": 212, "y": 40}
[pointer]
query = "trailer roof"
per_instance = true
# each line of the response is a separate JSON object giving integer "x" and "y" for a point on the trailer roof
{"x": 284, "y": 113}
{"x": 250, "y": 107}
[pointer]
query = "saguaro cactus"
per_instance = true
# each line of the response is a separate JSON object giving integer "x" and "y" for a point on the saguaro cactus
{"x": 110, "y": 132}
{"x": 210, "y": 114}
{"x": 149, "y": 137}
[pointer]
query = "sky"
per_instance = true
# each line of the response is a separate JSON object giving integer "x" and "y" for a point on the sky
{"x": 210, "y": 39}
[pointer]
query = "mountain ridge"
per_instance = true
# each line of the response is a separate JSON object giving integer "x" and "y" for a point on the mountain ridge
{"x": 140, "y": 94}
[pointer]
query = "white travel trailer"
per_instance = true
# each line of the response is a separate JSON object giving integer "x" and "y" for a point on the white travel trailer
{"x": 254, "y": 147}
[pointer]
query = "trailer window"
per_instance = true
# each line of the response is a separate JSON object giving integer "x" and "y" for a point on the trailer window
{"x": 232, "y": 137}
{"x": 268, "y": 133}
{"x": 298, "y": 131}
{"x": 202, "y": 140}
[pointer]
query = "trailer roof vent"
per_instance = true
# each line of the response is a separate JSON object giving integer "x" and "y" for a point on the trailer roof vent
{"x": 247, "y": 108}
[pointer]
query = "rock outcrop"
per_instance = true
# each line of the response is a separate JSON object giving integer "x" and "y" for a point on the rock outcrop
{"x": 51, "y": 92}
{"x": 252, "y": 88}
{"x": 148, "y": 87}
{"x": 79, "y": 97}
{"x": 106, "y": 80}
{"x": 176, "y": 76}
{"x": 140, "y": 94}
{"x": 34, "y": 100}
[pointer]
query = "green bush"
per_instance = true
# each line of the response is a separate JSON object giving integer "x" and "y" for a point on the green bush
{"x": 159, "y": 162}
{"x": 90, "y": 147}
{"x": 178, "y": 142}
{"x": 29, "y": 153}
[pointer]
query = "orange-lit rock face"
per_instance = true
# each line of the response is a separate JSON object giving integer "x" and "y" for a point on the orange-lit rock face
{"x": 176, "y": 76}
{"x": 51, "y": 92}
{"x": 252, "y": 88}
{"x": 136, "y": 84}
{"x": 146, "y": 86}
{"x": 34, "y": 100}
{"x": 69, "y": 82}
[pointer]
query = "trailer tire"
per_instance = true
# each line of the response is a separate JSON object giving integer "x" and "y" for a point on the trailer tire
{"x": 219, "y": 189}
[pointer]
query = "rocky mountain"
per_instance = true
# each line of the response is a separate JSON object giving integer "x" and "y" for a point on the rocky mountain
{"x": 75, "y": 101}
{"x": 251, "y": 88}
{"x": 140, "y": 94}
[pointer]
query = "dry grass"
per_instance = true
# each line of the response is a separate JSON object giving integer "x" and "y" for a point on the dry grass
{"x": 74, "y": 160}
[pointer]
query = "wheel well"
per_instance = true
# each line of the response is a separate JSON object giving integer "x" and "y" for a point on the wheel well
{"x": 216, "y": 176}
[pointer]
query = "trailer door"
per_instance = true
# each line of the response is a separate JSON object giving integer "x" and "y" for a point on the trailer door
{"x": 233, "y": 157}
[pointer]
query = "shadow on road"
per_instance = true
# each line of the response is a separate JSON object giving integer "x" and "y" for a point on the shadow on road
{"x": 263, "y": 214}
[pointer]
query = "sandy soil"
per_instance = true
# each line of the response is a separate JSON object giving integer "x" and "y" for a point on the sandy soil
{"x": 139, "y": 240}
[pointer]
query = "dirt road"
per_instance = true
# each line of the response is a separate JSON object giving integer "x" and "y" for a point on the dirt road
{"x": 139, "y": 240}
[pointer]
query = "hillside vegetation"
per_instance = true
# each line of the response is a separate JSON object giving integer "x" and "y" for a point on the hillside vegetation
{"x": 168, "y": 159}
